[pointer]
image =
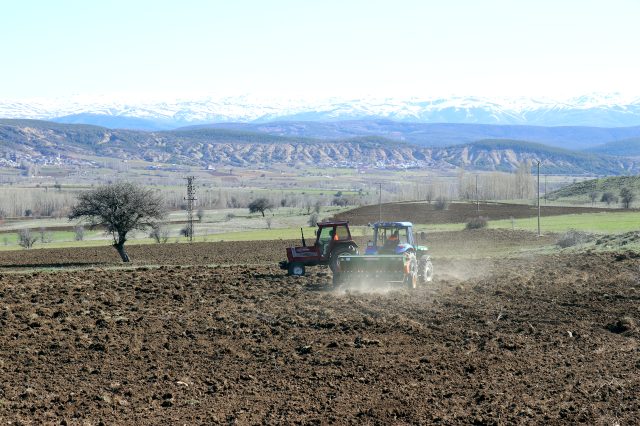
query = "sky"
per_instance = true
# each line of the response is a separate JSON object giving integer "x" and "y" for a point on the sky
{"x": 318, "y": 49}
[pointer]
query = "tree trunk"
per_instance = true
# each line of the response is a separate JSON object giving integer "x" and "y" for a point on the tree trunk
{"x": 121, "y": 251}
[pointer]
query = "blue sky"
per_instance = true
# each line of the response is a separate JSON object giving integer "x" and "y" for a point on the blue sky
{"x": 293, "y": 49}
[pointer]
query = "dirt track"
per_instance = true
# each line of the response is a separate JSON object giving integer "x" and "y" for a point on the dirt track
{"x": 534, "y": 340}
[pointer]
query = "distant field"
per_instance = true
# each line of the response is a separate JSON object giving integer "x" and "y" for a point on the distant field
{"x": 422, "y": 212}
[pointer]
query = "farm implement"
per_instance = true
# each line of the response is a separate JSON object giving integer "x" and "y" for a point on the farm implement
{"x": 392, "y": 257}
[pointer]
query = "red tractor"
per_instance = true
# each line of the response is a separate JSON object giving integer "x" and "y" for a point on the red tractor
{"x": 332, "y": 240}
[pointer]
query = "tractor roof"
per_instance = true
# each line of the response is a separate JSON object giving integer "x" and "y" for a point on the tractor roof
{"x": 393, "y": 224}
{"x": 333, "y": 222}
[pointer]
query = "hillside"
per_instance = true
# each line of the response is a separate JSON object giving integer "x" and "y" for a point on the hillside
{"x": 438, "y": 134}
{"x": 42, "y": 142}
{"x": 608, "y": 184}
{"x": 625, "y": 148}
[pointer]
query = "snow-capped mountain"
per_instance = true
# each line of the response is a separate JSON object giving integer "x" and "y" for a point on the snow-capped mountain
{"x": 593, "y": 110}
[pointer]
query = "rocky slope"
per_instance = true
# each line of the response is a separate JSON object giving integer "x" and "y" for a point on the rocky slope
{"x": 42, "y": 142}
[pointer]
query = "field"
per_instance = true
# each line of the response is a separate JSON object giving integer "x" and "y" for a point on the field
{"x": 511, "y": 331}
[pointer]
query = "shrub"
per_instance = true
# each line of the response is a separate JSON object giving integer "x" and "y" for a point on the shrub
{"x": 441, "y": 203}
{"x": 477, "y": 223}
{"x": 159, "y": 233}
{"x": 26, "y": 239}
{"x": 78, "y": 232}
{"x": 573, "y": 237}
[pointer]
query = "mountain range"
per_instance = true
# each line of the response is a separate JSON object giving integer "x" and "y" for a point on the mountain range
{"x": 46, "y": 143}
{"x": 592, "y": 111}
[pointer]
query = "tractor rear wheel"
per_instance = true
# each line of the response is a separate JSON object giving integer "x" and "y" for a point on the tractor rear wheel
{"x": 411, "y": 278}
{"x": 296, "y": 269}
{"x": 333, "y": 260}
{"x": 425, "y": 270}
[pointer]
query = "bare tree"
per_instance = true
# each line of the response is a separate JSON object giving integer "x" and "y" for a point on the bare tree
{"x": 26, "y": 239}
{"x": 313, "y": 220}
{"x": 159, "y": 233}
{"x": 609, "y": 197}
{"x": 78, "y": 233}
{"x": 593, "y": 196}
{"x": 268, "y": 221}
{"x": 260, "y": 205}
{"x": 120, "y": 207}
{"x": 200, "y": 214}
{"x": 626, "y": 196}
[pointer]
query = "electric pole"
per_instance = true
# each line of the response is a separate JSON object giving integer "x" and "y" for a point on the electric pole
{"x": 190, "y": 198}
{"x": 538, "y": 198}
{"x": 379, "y": 201}
{"x": 477, "y": 196}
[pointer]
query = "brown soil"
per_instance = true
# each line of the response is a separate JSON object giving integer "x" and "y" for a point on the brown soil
{"x": 468, "y": 243}
{"x": 421, "y": 212}
{"x": 542, "y": 340}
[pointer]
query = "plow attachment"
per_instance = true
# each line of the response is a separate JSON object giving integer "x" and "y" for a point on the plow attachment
{"x": 377, "y": 269}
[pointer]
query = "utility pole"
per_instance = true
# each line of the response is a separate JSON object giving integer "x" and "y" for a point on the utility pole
{"x": 477, "y": 196}
{"x": 190, "y": 198}
{"x": 379, "y": 201}
{"x": 538, "y": 198}
{"x": 545, "y": 189}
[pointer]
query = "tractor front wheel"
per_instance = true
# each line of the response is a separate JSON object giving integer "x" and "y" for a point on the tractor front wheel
{"x": 296, "y": 269}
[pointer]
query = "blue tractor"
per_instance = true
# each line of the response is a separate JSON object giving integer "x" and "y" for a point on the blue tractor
{"x": 392, "y": 256}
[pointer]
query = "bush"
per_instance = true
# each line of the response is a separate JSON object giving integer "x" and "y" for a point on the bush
{"x": 159, "y": 233}
{"x": 477, "y": 223}
{"x": 26, "y": 239}
{"x": 573, "y": 237}
{"x": 441, "y": 203}
{"x": 78, "y": 233}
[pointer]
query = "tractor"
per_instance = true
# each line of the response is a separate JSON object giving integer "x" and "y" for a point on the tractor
{"x": 333, "y": 238}
{"x": 393, "y": 256}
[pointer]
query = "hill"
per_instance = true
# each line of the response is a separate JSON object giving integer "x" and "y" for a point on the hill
{"x": 42, "y": 142}
{"x": 625, "y": 148}
{"x": 609, "y": 184}
{"x": 438, "y": 134}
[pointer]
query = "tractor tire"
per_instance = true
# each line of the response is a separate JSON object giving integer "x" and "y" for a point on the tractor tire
{"x": 411, "y": 279}
{"x": 425, "y": 270}
{"x": 296, "y": 269}
{"x": 333, "y": 260}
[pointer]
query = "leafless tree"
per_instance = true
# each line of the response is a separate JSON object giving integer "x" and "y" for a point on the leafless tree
{"x": 627, "y": 196}
{"x": 200, "y": 214}
{"x": 120, "y": 207}
{"x": 78, "y": 233}
{"x": 313, "y": 220}
{"x": 26, "y": 239}
{"x": 159, "y": 233}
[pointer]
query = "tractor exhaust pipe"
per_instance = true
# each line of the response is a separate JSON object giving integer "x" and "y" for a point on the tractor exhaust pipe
{"x": 304, "y": 243}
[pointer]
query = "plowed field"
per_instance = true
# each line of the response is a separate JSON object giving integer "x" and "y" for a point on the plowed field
{"x": 537, "y": 339}
{"x": 421, "y": 212}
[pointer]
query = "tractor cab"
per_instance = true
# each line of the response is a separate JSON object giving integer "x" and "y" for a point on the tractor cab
{"x": 391, "y": 238}
{"x": 330, "y": 234}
